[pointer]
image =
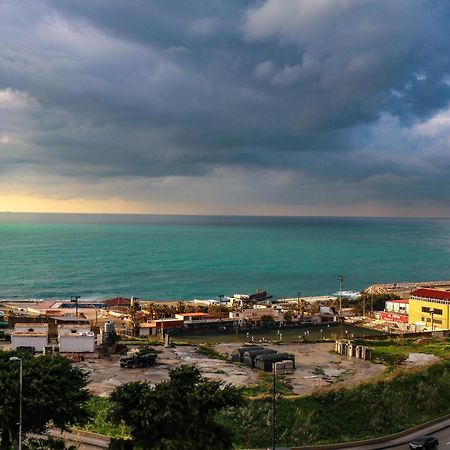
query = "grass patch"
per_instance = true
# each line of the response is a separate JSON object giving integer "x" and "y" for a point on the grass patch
{"x": 393, "y": 352}
{"x": 318, "y": 371}
{"x": 99, "y": 409}
{"x": 402, "y": 400}
{"x": 265, "y": 387}
{"x": 210, "y": 352}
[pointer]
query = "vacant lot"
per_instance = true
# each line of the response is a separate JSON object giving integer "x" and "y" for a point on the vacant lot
{"x": 106, "y": 373}
{"x": 316, "y": 365}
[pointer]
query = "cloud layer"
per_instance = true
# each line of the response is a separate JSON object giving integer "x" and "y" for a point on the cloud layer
{"x": 277, "y": 106}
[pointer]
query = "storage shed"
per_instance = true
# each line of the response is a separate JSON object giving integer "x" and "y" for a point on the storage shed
{"x": 250, "y": 355}
{"x": 266, "y": 361}
{"x": 238, "y": 354}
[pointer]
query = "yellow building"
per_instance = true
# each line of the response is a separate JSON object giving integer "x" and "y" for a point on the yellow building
{"x": 429, "y": 309}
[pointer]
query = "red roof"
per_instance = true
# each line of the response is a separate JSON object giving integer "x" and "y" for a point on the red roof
{"x": 431, "y": 293}
{"x": 400, "y": 300}
{"x": 119, "y": 301}
{"x": 193, "y": 314}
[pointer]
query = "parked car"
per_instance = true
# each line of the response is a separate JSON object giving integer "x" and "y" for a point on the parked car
{"x": 424, "y": 443}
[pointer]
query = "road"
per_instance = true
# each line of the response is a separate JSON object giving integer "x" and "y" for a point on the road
{"x": 439, "y": 430}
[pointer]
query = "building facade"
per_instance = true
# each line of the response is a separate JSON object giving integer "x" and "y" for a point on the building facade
{"x": 429, "y": 309}
{"x": 76, "y": 339}
{"x": 33, "y": 335}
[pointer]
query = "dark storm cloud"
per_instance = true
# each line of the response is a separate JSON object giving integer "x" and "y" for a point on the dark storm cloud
{"x": 154, "y": 89}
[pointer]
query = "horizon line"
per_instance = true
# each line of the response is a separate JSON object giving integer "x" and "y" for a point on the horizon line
{"x": 225, "y": 215}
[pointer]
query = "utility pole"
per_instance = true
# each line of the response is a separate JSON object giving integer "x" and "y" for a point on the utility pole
{"x": 221, "y": 296}
{"x": 341, "y": 283}
{"x": 74, "y": 299}
{"x": 298, "y": 302}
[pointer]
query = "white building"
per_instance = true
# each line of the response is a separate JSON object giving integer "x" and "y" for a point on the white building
{"x": 30, "y": 335}
{"x": 76, "y": 339}
{"x": 255, "y": 316}
{"x": 399, "y": 306}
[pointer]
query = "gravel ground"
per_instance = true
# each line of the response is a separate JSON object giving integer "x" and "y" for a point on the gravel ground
{"x": 106, "y": 373}
{"x": 317, "y": 367}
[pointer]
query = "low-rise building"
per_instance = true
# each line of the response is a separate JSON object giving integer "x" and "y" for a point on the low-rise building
{"x": 396, "y": 312}
{"x": 33, "y": 335}
{"x": 400, "y": 306}
{"x": 429, "y": 309}
{"x": 158, "y": 326}
{"x": 76, "y": 339}
{"x": 190, "y": 317}
{"x": 256, "y": 316}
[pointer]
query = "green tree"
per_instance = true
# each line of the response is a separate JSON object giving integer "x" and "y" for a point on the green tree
{"x": 375, "y": 302}
{"x": 267, "y": 321}
{"x": 53, "y": 390}
{"x": 176, "y": 414}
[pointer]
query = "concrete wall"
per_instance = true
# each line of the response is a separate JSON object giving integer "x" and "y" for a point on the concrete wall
{"x": 144, "y": 332}
{"x": 38, "y": 342}
{"x": 77, "y": 343}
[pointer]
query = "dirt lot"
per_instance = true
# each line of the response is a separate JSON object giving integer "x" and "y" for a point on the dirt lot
{"x": 316, "y": 367}
{"x": 106, "y": 373}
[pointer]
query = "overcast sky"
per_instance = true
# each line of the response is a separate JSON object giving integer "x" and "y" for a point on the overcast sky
{"x": 309, "y": 107}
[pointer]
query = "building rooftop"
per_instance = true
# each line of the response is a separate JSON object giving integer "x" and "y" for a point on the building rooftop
{"x": 194, "y": 314}
{"x": 78, "y": 332}
{"x": 118, "y": 301}
{"x": 404, "y": 301}
{"x": 431, "y": 293}
{"x": 31, "y": 325}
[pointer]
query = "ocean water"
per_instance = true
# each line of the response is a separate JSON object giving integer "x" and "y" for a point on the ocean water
{"x": 54, "y": 256}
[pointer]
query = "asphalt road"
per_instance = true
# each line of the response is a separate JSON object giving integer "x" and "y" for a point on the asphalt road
{"x": 439, "y": 430}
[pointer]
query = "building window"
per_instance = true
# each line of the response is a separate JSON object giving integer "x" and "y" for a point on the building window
{"x": 436, "y": 311}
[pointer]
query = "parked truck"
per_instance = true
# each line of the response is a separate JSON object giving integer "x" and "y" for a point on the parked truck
{"x": 143, "y": 358}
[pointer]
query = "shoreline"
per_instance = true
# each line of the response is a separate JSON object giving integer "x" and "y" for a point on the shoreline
{"x": 373, "y": 289}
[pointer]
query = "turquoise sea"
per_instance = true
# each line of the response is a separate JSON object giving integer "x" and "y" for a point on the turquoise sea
{"x": 185, "y": 257}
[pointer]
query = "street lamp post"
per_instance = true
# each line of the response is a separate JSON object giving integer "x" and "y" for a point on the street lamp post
{"x": 432, "y": 319}
{"x": 341, "y": 282}
{"x": 298, "y": 303}
{"x": 274, "y": 368}
{"x": 15, "y": 358}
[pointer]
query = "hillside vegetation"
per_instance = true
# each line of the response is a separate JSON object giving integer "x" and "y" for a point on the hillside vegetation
{"x": 404, "y": 399}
